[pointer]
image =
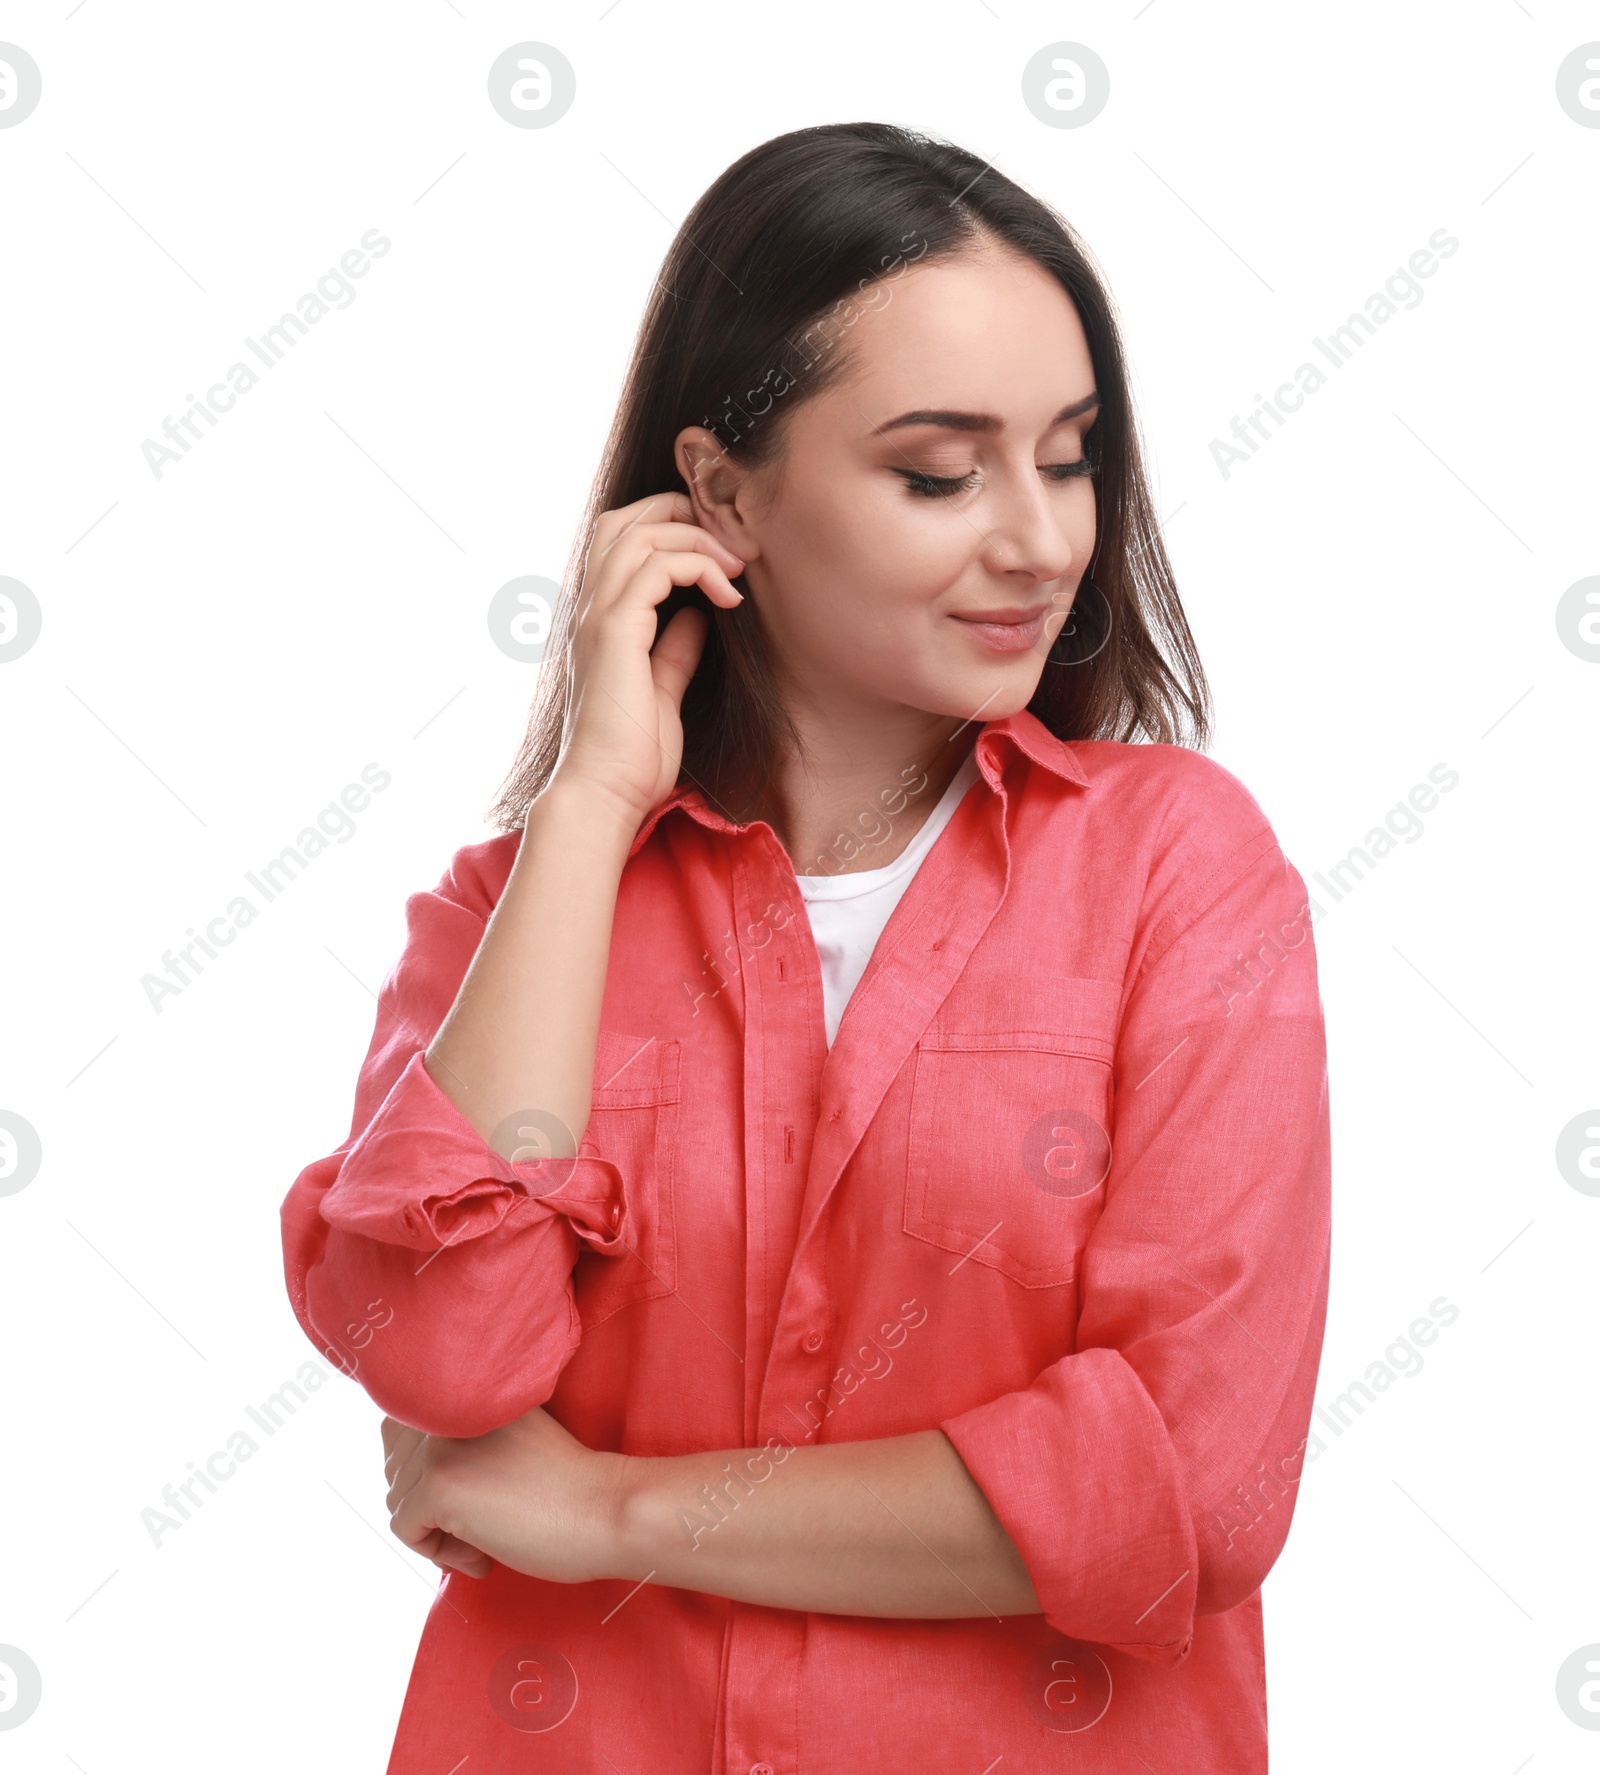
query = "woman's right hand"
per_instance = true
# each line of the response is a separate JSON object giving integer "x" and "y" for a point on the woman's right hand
{"x": 625, "y": 737}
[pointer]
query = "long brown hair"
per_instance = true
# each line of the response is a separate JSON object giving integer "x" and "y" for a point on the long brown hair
{"x": 755, "y": 299}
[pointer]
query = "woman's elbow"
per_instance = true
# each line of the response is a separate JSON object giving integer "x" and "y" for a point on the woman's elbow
{"x": 445, "y": 1376}
{"x": 460, "y": 1397}
{"x": 1238, "y": 1547}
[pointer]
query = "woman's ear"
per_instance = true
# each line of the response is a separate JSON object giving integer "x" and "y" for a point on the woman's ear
{"x": 714, "y": 481}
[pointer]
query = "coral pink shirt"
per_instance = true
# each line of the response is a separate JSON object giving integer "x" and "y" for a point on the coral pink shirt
{"x": 1060, "y": 1188}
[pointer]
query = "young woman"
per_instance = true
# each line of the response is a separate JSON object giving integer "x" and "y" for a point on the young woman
{"x": 837, "y": 1206}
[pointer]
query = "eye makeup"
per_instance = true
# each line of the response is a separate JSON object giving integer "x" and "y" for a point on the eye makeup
{"x": 926, "y": 486}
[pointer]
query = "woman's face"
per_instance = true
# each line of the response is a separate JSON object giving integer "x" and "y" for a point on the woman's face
{"x": 937, "y": 483}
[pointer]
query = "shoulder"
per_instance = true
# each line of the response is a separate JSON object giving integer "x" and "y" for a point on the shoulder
{"x": 458, "y": 906}
{"x": 1172, "y": 793}
{"x": 478, "y": 873}
{"x": 444, "y": 925}
{"x": 1181, "y": 831}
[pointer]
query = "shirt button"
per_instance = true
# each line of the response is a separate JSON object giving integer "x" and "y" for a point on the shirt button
{"x": 761, "y": 1769}
{"x": 810, "y": 1343}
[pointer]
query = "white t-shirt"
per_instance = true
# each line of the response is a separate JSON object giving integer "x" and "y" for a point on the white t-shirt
{"x": 848, "y": 912}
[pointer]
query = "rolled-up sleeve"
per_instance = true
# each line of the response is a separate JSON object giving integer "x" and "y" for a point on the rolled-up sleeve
{"x": 434, "y": 1270}
{"x": 1150, "y": 1476}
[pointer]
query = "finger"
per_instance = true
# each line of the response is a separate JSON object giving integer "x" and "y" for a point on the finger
{"x": 676, "y": 654}
{"x": 694, "y": 536}
{"x": 454, "y": 1554}
{"x": 630, "y": 547}
{"x": 400, "y": 1446}
{"x": 429, "y": 1546}
{"x": 414, "y": 1521}
{"x": 671, "y": 503}
{"x": 612, "y": 525}
{"x": 650, "y": 582}
{"x": 410, "y": 1470}
{"x": 663, "y": 569}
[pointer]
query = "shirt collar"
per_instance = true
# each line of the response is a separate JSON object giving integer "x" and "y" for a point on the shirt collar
{"x": 1021, "y": 732}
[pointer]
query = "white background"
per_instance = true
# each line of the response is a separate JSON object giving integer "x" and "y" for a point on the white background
{"x": 224, "y": 648}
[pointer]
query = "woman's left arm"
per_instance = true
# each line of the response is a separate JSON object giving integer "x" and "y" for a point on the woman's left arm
{"x": 895, "y": 1527}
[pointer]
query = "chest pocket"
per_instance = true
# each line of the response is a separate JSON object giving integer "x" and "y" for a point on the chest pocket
{"x": 1009, "y": 1143}
{"x": 633, "y": 1121}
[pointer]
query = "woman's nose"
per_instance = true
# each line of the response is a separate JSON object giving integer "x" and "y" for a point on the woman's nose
{"x": 1026, "y": 530}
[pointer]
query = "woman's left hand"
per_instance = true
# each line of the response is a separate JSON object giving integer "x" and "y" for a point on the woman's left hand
{"x": 528, "y": 1495}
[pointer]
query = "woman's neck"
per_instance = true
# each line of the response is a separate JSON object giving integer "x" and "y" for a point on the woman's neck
{"x": 861, "y": 794}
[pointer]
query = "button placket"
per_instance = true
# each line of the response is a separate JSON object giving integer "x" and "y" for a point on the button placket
{"x": 766, "y": 906}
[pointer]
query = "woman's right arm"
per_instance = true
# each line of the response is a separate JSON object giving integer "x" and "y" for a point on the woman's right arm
{"x": 431, "y": 1255}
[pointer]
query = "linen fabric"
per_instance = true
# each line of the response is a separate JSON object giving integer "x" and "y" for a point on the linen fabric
{"x": 1059, "y": 1187}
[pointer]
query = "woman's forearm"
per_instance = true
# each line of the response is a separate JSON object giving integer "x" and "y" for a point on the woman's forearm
{"x": 522, "y": 1032}
{"x": 894, "y": 1528}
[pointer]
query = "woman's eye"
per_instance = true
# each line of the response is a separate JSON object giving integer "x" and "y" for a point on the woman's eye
{"x": 936, "y": 486}
{"x": 928, "y": 486}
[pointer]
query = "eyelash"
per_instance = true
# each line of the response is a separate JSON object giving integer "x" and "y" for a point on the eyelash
{"x": 947, "y": 486}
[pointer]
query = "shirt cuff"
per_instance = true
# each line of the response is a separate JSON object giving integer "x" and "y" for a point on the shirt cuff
{"x": 1083, "y": 1476}
{"x": 422, "y": 1176}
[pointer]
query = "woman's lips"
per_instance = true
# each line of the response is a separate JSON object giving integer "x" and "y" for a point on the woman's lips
{"x": 1005, "y": 637}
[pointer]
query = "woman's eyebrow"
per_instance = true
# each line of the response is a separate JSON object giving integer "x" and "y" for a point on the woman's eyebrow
{"x": 956, "y": 421}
